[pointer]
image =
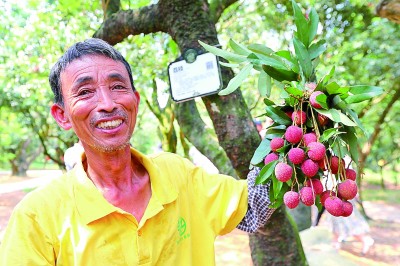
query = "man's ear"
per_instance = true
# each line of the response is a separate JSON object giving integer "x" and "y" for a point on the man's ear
{"x": 58, "y": 112}
{"x": 137, "y": 95}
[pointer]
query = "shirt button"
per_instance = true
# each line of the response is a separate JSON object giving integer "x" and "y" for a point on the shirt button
{"x": 139, "y": 233}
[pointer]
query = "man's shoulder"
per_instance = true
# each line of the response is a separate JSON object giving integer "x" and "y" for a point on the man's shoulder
{"x": 48, "y": 196}
{"x": 166, "y": 157}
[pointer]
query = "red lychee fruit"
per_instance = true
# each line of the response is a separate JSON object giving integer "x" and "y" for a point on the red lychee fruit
{"x": 347, "y": 189}
{"x": 309, "y": 168}
{"x": 283, "y": 172}
{"x": 322, "y": 164}
{"x": 322, "y": 120}
{"x": 293, "y": 134}
{"x": 334, "y": 206}
{"x": 289, "y": 114}
{"x": 296, "y": 155}
{"x": 347, "y": 208}
{"x": 351, "y": 174}
{"x": 316, "y": 151}
{"x": 334, "y": 163}
{"x": 291, "y": 199}
{"x": 270, "y": 158}
{"x": 299, "y": 117}
{"x": 313, "y": 99}
{"x": 277, "y": 143}
{"x": 326, "y": 194}
{"x": 309, "y": 137}
{"x": 316, "y": 185}
{"x": 307, "y": 196}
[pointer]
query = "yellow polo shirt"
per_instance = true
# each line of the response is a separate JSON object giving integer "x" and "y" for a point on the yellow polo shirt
{"x": 68, "y": 222}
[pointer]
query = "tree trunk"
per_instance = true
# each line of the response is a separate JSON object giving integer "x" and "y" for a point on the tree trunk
{"x": 187, "y": 22}
{"x": 279, "y": 243}
{"x": 23, "y": 158}
{"x": 196, "y": 131}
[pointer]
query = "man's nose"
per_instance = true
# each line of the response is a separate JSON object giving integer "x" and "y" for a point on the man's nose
{"x": 105, "y": 100}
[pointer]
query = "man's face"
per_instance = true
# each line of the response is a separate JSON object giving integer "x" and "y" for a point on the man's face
{"x": 99, "y": 102}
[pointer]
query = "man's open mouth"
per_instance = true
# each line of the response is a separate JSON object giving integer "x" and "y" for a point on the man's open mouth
{"x": 110, "y": 124}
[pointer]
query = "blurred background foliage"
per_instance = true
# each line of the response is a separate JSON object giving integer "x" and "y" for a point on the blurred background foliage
{"x": 33, "y": 35}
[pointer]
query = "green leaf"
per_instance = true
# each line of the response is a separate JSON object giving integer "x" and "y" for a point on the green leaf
{"x": 287, "y": 59}
{"x": 275, "y": 132}
{"x": 260, "y": 59}
{"x": 351, "y": 139}
{"x": 237, "y": 80}
{"x": 284, "y": 149}
{"x": 279, "y": 74}
{"x": 260, "y": 49}
{"x": 279, "y": 199}
{"x": 277, "y": 186}
{"x": 328, "y": 133}
{"x": 302, "y": 32}
{"x": 337, "y": 116}
{"x": 262, "y": 150}
{"x": 322, "y": 100}
{"x": 334, "y": 88}
{"x": 224, "y": 54}
{"x": 338, "y": 102}
{"x": 355, "y": 118}
{"x": 239, "y": 48}
{"x": 294, "y": 91}
{"x": 304, "y": 58}
{"x": 268, "y": 102}
{"x": 264, "y": 84}
{"x": 266, "y": 173}
{"x": 316, "y": 49}
{"x": 362, "y": 93}
{"x": 228, "y": 64}
{"x": 278, "y": 115}
{"x": 312, "y": 24}
{"x": 325, "y": 79}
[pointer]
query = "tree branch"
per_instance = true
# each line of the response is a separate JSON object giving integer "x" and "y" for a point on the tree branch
{"x": 389, "y": 9}
{"x": 110, "y": 7}
{"x": 130, "y": 22}
{"x": 217, "y": 7}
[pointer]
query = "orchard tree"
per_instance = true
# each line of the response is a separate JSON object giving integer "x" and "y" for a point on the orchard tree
{"x": 187, "y": 22}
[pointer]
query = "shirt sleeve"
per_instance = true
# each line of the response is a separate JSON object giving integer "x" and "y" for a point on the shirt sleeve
{"x": 258, "y": 211}
{"x": 25, "y": 242}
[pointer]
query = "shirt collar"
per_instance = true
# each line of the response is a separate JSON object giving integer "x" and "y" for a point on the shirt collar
{"x": 91, "y": 205}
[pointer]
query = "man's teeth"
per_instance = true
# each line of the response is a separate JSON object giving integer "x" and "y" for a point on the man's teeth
{"x": 109, "y": 124}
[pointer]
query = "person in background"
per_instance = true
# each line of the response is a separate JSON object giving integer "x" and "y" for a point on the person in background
{"x": 355, "y": 226}
{"x": 118, "y": 206}
{"x": 72, "y": 155}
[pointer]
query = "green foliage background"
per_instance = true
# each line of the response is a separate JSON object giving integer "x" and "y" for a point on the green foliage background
{"x": 33, "y": 34}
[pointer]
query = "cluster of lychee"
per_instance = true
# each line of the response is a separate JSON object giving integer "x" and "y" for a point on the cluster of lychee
{"x": 305, "y": 156}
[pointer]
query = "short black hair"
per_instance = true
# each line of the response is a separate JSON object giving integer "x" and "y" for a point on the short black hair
{"x": 90, "y": 46}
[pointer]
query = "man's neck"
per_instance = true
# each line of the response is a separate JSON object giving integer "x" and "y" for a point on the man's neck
{"x": 122, "y": 180}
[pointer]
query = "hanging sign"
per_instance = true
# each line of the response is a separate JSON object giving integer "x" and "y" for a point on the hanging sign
{"x": 194, "y": 76}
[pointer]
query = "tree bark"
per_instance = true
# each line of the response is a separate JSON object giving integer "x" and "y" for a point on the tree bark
{"x": 279, "y": 242}
{"x": 23, "y": 158}
{"x": 389, "y": 9}
{"x": 187, "y": 22}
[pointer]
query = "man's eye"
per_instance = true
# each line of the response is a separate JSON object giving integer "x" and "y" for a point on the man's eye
{"x": 119, "y": 87}
{"x": 83, "y": 92}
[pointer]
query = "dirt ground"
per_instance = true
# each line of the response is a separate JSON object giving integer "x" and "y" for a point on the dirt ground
{"x": 233, "y": 249}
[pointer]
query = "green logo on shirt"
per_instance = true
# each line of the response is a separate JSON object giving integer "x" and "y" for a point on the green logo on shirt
{"x": 182, "y": 230}
{"x": 181, "y": 226}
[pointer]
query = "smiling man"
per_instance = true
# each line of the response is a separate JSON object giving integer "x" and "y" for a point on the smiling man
{"x": 118, "y": 206}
